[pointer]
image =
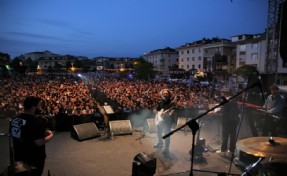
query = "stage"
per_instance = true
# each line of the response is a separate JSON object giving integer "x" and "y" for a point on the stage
{"x": 103, "y": 156}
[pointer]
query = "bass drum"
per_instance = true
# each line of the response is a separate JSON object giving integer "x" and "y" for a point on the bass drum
{"x": 273, "y": 169}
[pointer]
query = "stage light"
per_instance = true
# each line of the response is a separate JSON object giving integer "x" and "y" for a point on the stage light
{"x": 144, "y": 165}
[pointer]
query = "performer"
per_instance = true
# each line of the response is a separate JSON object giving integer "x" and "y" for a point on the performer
{"x": 229, "y": 123}
{"x": 29, "y": 136}
{"x": 274, "y": 106}
{"x": 164, "y": 119}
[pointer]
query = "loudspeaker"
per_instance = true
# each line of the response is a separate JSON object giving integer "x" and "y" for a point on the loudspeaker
{"x": 144, "y": 165}
{"x": 85, "y": 131}
{"x": 151, "y": 125}
{"x": 120, "y": 127}
{"x": 283, "y": 32}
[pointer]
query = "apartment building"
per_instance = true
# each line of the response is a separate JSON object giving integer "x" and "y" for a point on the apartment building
{"x": 162, "y": 59}
{"x": 190, "y": 55}
{"x": 215, "y": 56}
{"x": 250, "y": 50}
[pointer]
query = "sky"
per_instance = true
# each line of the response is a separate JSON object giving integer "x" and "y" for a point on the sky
{"x": 122, "y": 28}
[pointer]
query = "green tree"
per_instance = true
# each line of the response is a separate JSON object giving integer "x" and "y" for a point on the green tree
{"x": 245, "y": 70}
{"x": 143, "y": 69}
{"x": 31, "y": 65}
{"x": 68, "y": 65}
{"x": 57, "y": 67}
{"x": 17, "y": 65}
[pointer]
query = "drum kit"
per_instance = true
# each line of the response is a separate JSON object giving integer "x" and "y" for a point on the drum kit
{"x": 272, "y": 148}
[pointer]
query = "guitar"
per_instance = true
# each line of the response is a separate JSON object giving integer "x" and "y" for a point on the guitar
{"x": 160, "y": 115}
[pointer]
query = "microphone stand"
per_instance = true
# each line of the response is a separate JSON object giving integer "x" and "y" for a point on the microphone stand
{"x": 193, "y": 125}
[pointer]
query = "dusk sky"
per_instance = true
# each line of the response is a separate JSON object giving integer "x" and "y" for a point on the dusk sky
{"x": 122, "y": 28}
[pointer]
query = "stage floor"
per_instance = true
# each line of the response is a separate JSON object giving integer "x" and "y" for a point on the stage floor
{"x": 105, "y": 157}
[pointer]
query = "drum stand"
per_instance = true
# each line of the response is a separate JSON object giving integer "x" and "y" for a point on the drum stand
{"x": 253, "y": 168}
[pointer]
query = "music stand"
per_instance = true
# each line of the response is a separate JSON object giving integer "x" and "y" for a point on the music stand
{"x": 106, "y": 110}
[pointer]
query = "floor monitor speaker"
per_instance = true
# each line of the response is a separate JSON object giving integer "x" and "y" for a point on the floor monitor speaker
{"x": 144, "y": 165}
{"x": 85, "y": 131}
{"x": 120, "y": 127}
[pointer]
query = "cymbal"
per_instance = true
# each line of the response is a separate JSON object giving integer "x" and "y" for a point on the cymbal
{"x": 275, "y": 147}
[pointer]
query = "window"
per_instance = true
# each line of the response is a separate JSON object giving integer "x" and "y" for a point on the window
{"x": 187, "y": 51}
{"x": 199, "y": 66}
{"x": 182, "y": 59}
{"x": 187, "y": 66}
{"x": 182, "y": 66}
{"x": 254, "y": 56}
{"x": 187, "y": 59}
{"x": 199, "y": 58}
{"x": 242, "y": 48}
{"x": 193, "y": 66}
{"x": 193, "y": 59}
{"x": 199, "y": 50}
{"x": 182, "y": 52}
{"x": 192, "y": 50}
{"x": 254, "y": 45}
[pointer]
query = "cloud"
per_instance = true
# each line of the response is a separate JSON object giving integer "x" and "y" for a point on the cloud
{"x": 31, "y": 35}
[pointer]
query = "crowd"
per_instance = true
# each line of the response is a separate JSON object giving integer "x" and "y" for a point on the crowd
{"x": 60, "y": 93}
{"x": 71, "y": 94}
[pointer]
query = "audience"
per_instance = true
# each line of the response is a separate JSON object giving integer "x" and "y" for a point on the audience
{"x": 73, "y": 95}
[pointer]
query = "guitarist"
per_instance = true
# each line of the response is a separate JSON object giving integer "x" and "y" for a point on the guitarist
{"x": 164, "y": 119}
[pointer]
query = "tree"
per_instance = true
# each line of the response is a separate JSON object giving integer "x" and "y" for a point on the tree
{"x": 143, "y": 69}
{"x": 32, "y": 65}
{"x": 17, "y": 65}
{"x": 245, "y": 71}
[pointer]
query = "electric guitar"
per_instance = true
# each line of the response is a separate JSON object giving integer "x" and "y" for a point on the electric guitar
{"x": 160, "y": 115}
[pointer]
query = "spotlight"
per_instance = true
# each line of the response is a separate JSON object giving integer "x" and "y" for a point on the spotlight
{"x": 144, "y": 165}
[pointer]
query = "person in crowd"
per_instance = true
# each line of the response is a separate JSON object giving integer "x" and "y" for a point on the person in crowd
{"x": 164, "y": 119}
{"x": 229, "y": 122}
{"x": 30, "y": 135}
{"x": 274, "y": 106}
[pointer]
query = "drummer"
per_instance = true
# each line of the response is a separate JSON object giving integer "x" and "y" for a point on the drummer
{"x": 274, "y": 106}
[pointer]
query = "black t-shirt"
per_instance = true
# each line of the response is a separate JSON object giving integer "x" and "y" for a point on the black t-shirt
{"x": 25, "y": 129}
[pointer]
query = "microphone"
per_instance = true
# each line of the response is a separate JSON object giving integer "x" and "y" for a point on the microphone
{"x": 260, "y": 85}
